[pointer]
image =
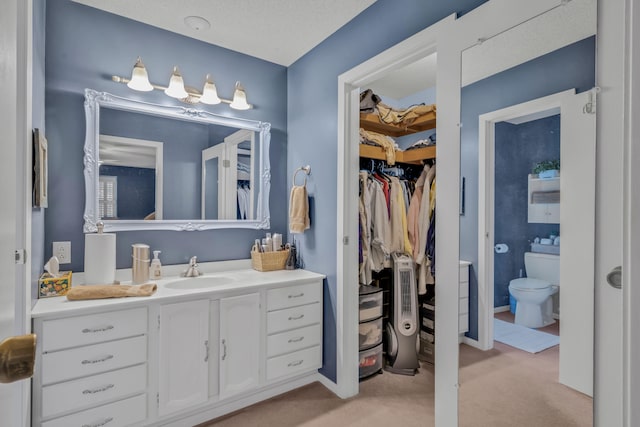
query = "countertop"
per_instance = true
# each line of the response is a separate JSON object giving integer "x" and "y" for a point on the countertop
{"x": 233, "y": 276}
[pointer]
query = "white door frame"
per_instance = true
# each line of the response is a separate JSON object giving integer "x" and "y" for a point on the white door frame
{"x": 15, "y": 214}
{"x": 577, "y": 220}
{"x": 412, "y": 49}
{"x": 486, "y": 198}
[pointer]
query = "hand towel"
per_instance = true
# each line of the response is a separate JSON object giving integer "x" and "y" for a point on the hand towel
{"x": 110, "y": 291}
{"x": 298, "y": 209}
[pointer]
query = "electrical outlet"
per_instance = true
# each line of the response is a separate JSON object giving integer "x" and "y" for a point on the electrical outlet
{"x": 62, "y": 251}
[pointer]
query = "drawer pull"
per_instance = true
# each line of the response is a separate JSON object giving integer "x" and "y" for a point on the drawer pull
{"x": 99, "y": 390}
{"x": 104, "y": 359}
{"x": 296, "y": 363}
{"x": 296, "y": 317}
{"x": 104, "y": 423}
{"x": 301, "y": 294}
{"x": 92, "y": 331}
{"x": 296, "y": 339}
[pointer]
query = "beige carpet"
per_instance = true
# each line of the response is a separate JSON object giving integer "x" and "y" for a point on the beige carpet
{"x": 501, "y": 387}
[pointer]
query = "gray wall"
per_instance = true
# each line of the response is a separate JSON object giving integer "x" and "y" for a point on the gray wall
{"x": 312, "y": 118}
{"x": 38, "y": 118}
{"x": 517, "y": 149}
{"x": 84, "y": 47}
{"x": 570, "y": 67}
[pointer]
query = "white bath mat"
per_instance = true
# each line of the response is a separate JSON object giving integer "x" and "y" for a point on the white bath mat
{"x": 521, "y": 337}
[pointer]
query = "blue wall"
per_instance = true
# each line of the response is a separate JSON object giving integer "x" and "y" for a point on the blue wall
{"x": 84, "y": 47}
{"x": 517, "y": 149}
{"x": 312, "y": 124}
{"x": 570, "y": 67}
{"x": 136, "y": 190}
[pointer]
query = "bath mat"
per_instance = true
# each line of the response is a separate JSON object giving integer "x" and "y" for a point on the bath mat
{"x": 523, "y": 338}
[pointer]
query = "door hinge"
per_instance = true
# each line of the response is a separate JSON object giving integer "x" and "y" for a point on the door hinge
{"x": 592, "y": 103}
{"x": 20, "y": 256}
{"x": 345, "y": 240}
{"x": 226, "y": 163}
{"x": 158, "y": 322}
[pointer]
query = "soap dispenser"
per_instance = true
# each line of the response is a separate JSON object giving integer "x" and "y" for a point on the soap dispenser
{"x": 155, "y": 269}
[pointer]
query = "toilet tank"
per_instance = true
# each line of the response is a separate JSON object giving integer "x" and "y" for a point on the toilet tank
{"x": 543, "y": 266}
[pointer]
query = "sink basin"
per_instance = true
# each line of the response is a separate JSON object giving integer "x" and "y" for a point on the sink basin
{"x": 199, "y": 282}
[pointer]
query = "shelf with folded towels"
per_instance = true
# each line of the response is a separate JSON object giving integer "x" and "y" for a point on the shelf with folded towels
{"x": 544, "y": 200}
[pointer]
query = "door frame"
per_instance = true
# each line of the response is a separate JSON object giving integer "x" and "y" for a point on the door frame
{"x": 486, "y": 199}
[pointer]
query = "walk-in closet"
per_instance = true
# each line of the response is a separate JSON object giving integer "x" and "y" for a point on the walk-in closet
{"x": 397, "y": 181}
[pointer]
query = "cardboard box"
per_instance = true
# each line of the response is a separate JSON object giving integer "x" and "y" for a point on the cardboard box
{"x": 54, "y": 286}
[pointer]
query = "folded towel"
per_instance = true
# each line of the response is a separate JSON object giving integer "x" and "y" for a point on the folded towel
{"x": 298, "y": 209}
{"x": 110, "y": 291}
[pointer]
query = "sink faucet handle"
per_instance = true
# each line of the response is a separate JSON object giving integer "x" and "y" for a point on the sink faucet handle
{"x": 193, "y": 262}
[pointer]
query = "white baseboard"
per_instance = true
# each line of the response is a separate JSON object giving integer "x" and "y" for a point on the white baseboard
{"x": 502, "y": 309}
{"x": 330, "y": 385}
{"x": 471, "y": 342}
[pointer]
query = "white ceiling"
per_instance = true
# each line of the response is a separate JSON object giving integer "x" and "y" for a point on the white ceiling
{"x": 279, "y": 31}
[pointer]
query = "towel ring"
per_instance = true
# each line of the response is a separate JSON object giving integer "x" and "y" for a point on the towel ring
{"x": 306, "y": 169}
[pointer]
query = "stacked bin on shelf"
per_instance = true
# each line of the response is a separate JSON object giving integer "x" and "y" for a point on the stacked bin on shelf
{"x": 370, "y": 330}
{"x": 427, "y": 330}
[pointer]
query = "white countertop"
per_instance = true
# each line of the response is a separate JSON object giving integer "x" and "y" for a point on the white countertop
{"x": 233, "y": 276}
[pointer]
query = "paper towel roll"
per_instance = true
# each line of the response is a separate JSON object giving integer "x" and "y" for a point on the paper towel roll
{"x": 99, "y": 258}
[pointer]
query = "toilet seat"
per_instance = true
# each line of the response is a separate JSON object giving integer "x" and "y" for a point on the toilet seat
{"x": 528, "y": 284}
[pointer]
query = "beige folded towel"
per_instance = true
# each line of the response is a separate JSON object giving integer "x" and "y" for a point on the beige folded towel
{"x": 298, "y": 209}
{"x": 110, "y": 291}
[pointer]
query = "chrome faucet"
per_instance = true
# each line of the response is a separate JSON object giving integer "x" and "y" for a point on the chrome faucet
{"x": 192, "y": 271}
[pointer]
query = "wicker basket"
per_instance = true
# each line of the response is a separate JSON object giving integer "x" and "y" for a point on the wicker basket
{"x": 269, "y": 261}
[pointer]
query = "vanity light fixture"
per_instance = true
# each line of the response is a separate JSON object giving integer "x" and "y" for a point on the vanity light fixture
{"x": 140, "y": 81}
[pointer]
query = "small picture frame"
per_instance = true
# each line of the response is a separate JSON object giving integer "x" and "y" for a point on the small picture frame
{"x": 40, "y": 172}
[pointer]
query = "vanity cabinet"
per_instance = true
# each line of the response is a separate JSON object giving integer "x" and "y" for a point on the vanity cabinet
{"x": 93, "y": 369}
{"x": 183, "y": 355}
{"x": 179, "y": 357}
{"x": 239, "y": 344}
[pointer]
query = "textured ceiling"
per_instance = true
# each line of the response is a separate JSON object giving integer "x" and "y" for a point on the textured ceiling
{"x": 279, "y": 31}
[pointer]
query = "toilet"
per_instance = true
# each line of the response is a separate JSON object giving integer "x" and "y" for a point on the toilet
{"x": 533, "y": 293}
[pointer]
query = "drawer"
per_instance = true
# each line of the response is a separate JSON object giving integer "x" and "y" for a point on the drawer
{"x": 463, "y": 306}
{"x": 370, "y": 306}
{"x": 294, "y": 363}
{"x": 428, "y": 335}
{"x": 369, "y": 333}
{"x": 82, "y": 330}
{"x": 370, "y": 361}
{"x": 464, "y": 290}
{"x": 77, "y": 394}
{"x": 286, "y": 342}
{"x": 292, "y": 296}
{"x": 122, "y": 413}
{"x": 463, "y": 323}
{"x": 93, "y": 359}
{"x": 295, "y": 317}
{"x": 427, "y": 351}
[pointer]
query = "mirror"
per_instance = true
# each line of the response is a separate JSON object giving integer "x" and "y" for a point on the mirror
{"x": 157, "y": 167}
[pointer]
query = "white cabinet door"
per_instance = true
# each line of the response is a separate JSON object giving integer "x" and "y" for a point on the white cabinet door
{"x": 239, "y": 344}
{"x": 184, "y": 355}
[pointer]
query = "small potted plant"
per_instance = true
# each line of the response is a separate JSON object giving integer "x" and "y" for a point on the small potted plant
{"x": 547, "y": 169}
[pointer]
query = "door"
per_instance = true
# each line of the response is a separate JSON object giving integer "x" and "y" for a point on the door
{"x": 213, "y": 188}
{"x": 577, "y": 228}
{"x": 239, "y": 344}
{"x": 184, "y": 355}
{"x": 15, "y": 120}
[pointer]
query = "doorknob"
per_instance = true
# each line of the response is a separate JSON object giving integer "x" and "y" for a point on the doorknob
{"x": 17, "y": 358}
{"x": 614, "y": 278}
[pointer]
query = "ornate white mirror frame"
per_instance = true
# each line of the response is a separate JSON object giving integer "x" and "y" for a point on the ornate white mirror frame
{"x": 94, "y": 100}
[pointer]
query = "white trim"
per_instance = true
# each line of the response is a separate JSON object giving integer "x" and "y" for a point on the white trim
{"x": 330, "y": 385}
{"x": 416, "y": 47}
{"x": 631, "y": 239}
{"x": 501, "y": 309}
{"x": 486, "y": 200}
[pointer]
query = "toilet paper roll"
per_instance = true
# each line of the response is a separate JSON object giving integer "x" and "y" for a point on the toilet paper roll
{"x": 501, "y": 248}
{"x": 99, "y": 258}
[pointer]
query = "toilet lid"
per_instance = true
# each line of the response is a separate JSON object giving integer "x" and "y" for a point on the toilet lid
{"x": 527, "y": 283}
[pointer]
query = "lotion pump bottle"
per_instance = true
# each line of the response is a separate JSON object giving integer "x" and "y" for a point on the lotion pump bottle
{"x": 155, "y": 269}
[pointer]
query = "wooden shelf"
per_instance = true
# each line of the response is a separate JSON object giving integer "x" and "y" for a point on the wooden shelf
{"x": 414, "y": 156}
{"x": 371, "y": 122}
